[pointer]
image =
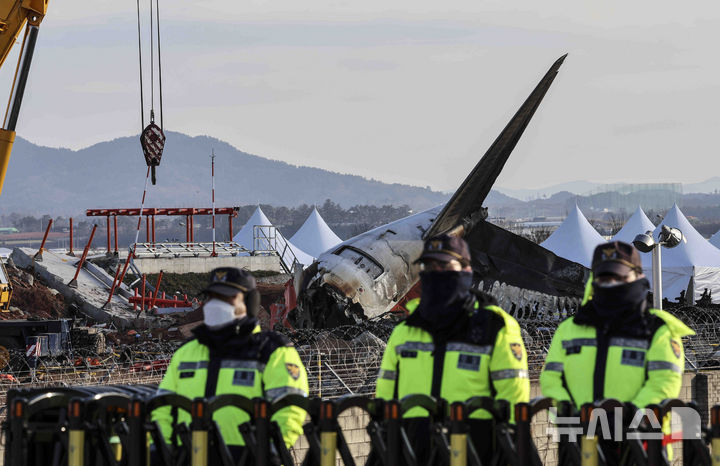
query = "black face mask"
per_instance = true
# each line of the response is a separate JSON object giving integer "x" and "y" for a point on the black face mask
{"x": 443, "y": 295}
{"x": 610, "y": 302}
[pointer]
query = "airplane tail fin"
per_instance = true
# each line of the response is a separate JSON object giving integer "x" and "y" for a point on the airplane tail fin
{"x": 466, "y": 203}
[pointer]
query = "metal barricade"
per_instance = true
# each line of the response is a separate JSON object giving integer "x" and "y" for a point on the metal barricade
{"x": 113, "y": 426}
{"x": 695, "y": 437}
{"x": 141, "y": 426}
{"x": 715, "y": 435}
{"x": 36, "y": 429}
{"x": 100, "y": 416}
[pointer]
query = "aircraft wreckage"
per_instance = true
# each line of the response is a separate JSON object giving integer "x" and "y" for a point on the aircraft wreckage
{"x": 369, "y": 274}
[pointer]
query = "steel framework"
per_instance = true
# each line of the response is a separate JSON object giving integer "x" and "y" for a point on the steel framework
{"x": 150, "y": 213}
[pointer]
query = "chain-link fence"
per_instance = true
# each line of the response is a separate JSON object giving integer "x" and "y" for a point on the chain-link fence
{"x": 340, "y": 361}
{"x": 345, "y": 360}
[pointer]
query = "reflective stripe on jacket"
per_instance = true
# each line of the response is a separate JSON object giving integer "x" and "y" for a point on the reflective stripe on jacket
{"x": 496, "y": 367}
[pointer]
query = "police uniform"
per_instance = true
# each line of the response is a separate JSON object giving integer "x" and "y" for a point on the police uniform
{"x": 236, "y": 360}
{"x": 239, "y": 359}
{"x": 586, "y": 363}
{"x": 489, "y": 360}
{"x": 454, "y": 351}
{"x": 635, "y": 355}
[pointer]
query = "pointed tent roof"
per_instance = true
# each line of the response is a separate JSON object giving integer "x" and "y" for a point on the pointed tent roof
{"x": 637, "y": 224}
{"x": 715, "y": 239}
{"x": 696, "y": 251}
{"x": 245, "y": 237}
{"x": 575, "y": 239}
{"x": 315, "y": 236}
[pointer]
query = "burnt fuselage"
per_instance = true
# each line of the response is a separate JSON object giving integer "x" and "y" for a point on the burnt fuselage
{"x": 364, "y": 276}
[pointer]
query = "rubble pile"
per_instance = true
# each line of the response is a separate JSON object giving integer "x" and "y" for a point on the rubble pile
{"x": 32, "y": 298}
{"x": 40, "y": 291}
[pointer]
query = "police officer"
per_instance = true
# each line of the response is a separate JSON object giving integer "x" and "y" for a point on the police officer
{"x": 455, "y": 344}
{"x": 616, "y": 346}
{"x": 230, "y": 355}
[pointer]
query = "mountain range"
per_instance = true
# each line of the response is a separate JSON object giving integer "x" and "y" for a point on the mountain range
{"x": 111, "y": 174}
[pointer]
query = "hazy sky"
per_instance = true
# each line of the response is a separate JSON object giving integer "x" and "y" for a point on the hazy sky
{"x": 401, "y": 91}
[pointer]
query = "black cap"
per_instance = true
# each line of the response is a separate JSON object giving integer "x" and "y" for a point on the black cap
{"x": 616, "y": 258}
{"x": 445, "y": 248}
{"x": 229, "y": 281}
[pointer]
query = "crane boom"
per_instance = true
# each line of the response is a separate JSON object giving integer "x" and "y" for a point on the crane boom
{"x": 14, "y": 14}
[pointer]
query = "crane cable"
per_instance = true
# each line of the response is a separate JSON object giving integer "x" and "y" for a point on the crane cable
{"x": 152, "y": 137}
{"x": 157, "y": 16}
{"x": 142, "y": 104}
{"x": 149, "y": 129}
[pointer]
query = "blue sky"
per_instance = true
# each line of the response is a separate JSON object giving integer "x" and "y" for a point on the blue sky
{"x": 401, "y": 91}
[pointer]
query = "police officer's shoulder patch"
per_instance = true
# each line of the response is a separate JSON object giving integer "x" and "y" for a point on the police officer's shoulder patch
{"x": 268, "y": 342}
{"x": 675, "y": 348}
{"x": 516, "y": 349}
{"x": 293, "y": 370}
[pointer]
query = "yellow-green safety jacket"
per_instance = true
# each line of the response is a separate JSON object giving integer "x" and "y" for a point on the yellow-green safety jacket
{"x": 238, "y": 359}
{"x": 459, "y": 369}
{"x": 583, "y": 365}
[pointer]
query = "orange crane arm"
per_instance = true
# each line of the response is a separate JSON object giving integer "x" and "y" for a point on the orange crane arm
{"x": 14, "y": 14}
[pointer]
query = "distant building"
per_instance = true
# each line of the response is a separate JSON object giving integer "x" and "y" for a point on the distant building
{"x": 624, "y": 196}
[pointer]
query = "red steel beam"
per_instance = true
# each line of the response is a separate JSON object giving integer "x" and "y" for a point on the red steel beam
{"x": 187, "y": 228}
{"x": 161, "y": 302}
{"x": 38, "y": 255}
{"x": 157, "y": 288}
{"x": 162, "y": 211}
{"x": 71, "y": 238}
{"x": 108, "y": 234}
{"x": 73, "y": 282}
{"x": 115, "y": 228}
{"x": 112, "y": 289}
{"x": 142, "y": 302}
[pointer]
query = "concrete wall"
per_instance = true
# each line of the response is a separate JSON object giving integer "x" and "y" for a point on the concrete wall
{"x": 353, "y": 423}
{"x": 206, "y": 264}
{"x": 702, "y": 388}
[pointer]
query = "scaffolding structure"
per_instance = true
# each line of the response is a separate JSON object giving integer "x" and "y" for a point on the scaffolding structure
{"x": 151, "y": 213}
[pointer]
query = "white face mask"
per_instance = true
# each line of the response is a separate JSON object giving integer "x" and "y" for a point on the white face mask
{"x": 218, "y": 313}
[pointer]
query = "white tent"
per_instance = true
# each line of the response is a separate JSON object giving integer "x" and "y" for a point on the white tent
{"x": 715, "y": 239}
{"x": 575, "y": 239}
{"x": 268, "y": 238}
{"x": 637, "y": 224}
{"x": 315, "y": 236}
{"x": 694, "y": 259}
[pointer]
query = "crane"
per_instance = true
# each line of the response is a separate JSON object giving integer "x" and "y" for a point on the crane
{"x": 14, "y": 15}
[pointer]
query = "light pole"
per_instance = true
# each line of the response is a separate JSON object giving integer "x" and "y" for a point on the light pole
{"x": 668, "y": 237}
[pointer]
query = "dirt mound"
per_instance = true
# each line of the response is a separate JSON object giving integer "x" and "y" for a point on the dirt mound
{"x": 32, "y": 297}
